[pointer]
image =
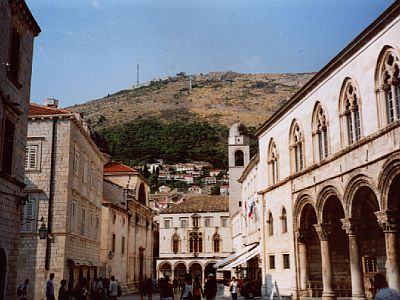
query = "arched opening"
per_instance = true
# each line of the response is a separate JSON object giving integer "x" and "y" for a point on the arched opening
{"x": 310, "y": 253}
{"x": 142, "y": 194}
{"x": 239, "y": 158}
{"x": 338, "y": 247}
{"x": 270, "y": 223}
{"x": 196, "y": 271}
{"x": 284, "y": 220}
{"x": 175, "y": 243}
{"x": 165, "y": 270}
{"x": 180, "y": 271}
{"x": 371, "y": 240}
{"x": 209, "y": 269}
{"x": 216, "y": 242}
{"x": 3, "y": 272}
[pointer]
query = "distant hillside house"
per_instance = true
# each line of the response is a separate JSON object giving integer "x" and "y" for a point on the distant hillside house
{"x": 195, "y": 189}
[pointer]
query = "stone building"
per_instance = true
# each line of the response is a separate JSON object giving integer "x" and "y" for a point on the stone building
{"x": 194, "y": 235}
{"x": 329, "y": 173}
{"x": 17, "y": 31}
{"x": 126, "y": 227}
{"x": 64, "y": 182}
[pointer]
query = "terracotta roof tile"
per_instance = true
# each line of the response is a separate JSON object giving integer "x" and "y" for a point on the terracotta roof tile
{"x": 201, "y": 203}
{"x": 41, "y": 110}
{"x": 113, "y": 167}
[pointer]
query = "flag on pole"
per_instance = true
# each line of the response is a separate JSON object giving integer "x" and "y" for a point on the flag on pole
{"x": 251, "y": 208}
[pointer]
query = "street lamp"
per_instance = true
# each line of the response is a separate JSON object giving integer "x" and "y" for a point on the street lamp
{"x": 110, "y": 255}
{"x": 42, "y": 230}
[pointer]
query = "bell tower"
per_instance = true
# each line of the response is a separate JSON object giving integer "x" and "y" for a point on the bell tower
{"x": 239, "y": 158}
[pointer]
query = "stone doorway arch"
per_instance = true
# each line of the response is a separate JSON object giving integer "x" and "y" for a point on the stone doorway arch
{"x": 180, "y": 271}
{"x": 196, "y": 271}
{"x": 165, "y": 269}
{"x": 309, "y": 248}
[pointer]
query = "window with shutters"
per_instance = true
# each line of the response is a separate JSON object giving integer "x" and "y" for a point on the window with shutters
{"x": 76, "y": 161}
{"x": 286, "y": 261}
{"x": 113, "y": 243}
{"x": 85, "y": 170}
{"x": 224, "y": 222}
{"x": 32, "y": 157}
{"x": 30, "y": 214}
{"x": 123, "y": 245}
{"x": 272, "y": 262}
{"x": 93, "y": 177}
{"x": 83, "y": 221}
{"x": 208, "y": 222}
{"x": 74, "y": 215}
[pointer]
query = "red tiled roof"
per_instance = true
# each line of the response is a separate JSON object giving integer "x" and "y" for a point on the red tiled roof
{"x": 113, "y": 167}
{"x": 40, "y": 110}
{"x": 200, "y": 204}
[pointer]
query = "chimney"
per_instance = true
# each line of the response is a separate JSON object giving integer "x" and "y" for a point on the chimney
{"x": 51, "y": 102}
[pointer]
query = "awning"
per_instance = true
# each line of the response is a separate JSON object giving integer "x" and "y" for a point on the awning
{"x": 245, "y": 257}
{"x": 83, "y": 262}
{"x": 234, "y": 256}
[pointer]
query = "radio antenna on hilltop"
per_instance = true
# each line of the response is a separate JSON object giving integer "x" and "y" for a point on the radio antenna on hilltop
{"x": 137, "y": 73}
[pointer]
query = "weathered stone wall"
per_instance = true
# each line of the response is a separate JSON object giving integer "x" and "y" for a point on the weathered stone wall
{"x": 10, "y": 187}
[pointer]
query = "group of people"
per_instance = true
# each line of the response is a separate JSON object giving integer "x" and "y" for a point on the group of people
{"x": 99, "y": 289}
{"x": 146, "y": 288}
{"x": 191, "y": 288}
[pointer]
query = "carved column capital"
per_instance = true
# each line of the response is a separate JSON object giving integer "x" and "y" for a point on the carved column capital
{"x": 351, "y": 226}
{"x": 303, "y": 235}
{"x": 387, "y": 220}
{"x": 323, "y": 230}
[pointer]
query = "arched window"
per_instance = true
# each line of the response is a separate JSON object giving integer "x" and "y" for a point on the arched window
{"x": 350, "y": 112}
{"x": 175, "y": 243}
{"x": 273, "y": 162}
{"x": 270, "y": 222}
{"x": 320, "y": 132}
{"x": 239, "y": 158}
{"x": 296, "y": 147}
{"x": 284, "y": 220}
{"x": 142, "y": 194}
{"x": 388, "y": 81}
{"x": 216, "y": 242}
{"x": 195, "y": 242}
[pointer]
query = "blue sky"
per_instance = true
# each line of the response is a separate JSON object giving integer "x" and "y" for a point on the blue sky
{"x": 89, "y": 48}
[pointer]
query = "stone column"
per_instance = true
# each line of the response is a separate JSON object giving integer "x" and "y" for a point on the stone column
{"x": 302, "y": 236}
{"x": 324, "y": 230}
{"x": 352, "y": 227}
{"x": 388, "y": 223}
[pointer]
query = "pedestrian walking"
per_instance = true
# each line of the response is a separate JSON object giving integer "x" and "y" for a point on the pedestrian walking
{"x": 142, "y": 288}
{"x": 113, "y": 289}
{"x": 22, "y": 290}
{"x": 210, "y": 288}
{"x": 233, "y": 288}
{"x": 383, "y": 292}
{"x": 187, "y": 290}
{"x": 63, "y": 293}
{"x": 149, "y": 287}
{"x": 50, "y": 288}
{"x": 197, "y": 289}
{"x": 167, "y": 290}
{"x": 80, "y": 290}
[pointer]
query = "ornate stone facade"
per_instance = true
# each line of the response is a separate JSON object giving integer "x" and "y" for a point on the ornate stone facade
{"x": 17, "y": 31}
{"x": 338, "y": 174}
{"x": 194, "y": 235}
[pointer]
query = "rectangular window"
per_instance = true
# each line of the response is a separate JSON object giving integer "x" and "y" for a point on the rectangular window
{"x": 29, "y": 220}
{"x": 97, "y": 227}
{"x": 208, "y": 222}
{"x": 123, "y": 245}
{"x": 93, "y": 177}
{"x": 83, "y": 221}
{"x": 113, "y": 243}
{"x": 184, "y": 222}
{"x": 74, "y": 215}
{"x": 90, "y": 230}
{"x": 224, "y": 222}
{"x": 8, "y": 146}
{"x": 369, "y": 264}
{"x": 31, "y": 157}
{"x": 85, "y": 170}
{"x": 286, "y": 261}
{"x": 76, "y": 162}
{"x": 167, "y": 223}
{"x": 272, "y": 262}
{"x": 15, "y": 51}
